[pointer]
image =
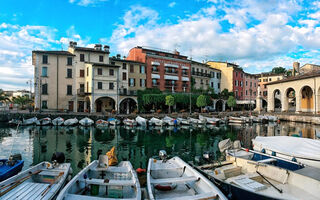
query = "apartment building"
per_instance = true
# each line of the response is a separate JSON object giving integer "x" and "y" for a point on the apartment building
{"x": 250, "y": 87}
{"x": 265, "y": 78}
{"x": 168, "y": 71}
{"x": 205, "y": 77}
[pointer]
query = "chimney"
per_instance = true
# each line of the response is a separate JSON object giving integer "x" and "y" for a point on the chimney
{"x": 118, "y": 56}
{"x": 176, "y": 52}
{"x": 296, "y": 68}
{"x": 106, "y": 48}
{"x": 72, "y": 44}
{"x": 98, "y": 47}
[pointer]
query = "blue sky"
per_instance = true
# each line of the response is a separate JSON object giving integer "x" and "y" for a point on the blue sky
{"x": 255, "y": 34}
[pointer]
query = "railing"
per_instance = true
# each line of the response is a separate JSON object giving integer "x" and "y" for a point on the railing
{"x": 170, "y": 85}
{"x": 171, "y": 72}
{"x": 184, "y": 74}
{"x": 155, "y": 70}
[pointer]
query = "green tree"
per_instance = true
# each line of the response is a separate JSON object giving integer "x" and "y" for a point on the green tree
{"x": 231, "y": 102}
{"x": 169, "y": 101}
{"x": 278, "y": 70}
{"x": 22, "y": 101}
{"x": 202, "y": 101}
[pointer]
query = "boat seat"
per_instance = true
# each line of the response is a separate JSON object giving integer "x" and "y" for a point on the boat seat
{"x": 113, "y": 169}
{"x": 174, "y": 180}
{"x": 268, "y": 160}
{"x": 50, "y": 173}
{"x": 85, "y": 197}
{"x": 95, "y": 181}
{"x": 247, "y": 183}
{"x": 204, "y": 196}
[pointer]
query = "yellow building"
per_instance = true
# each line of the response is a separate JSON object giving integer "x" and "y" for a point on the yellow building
{"x": 226, "y": 73}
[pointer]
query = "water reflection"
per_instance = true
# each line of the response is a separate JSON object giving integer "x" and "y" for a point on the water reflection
{"x": 82, "y": 145}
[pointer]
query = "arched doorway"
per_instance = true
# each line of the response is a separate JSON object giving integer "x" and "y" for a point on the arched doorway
{"x": 264, "y": 104}
{"x": 219, "y": 105}
{"x": 277, "y": 100}
{"x": 290, "y": 100}
{"x": 307, "y": 104}
{"x": 127, "y": 106}
{"x": 105, "y": 104}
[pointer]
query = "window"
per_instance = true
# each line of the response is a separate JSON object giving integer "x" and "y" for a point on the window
{"x": 278, "y": 78}
{"x": 236, "y": 74}
{"x": 241, "y": 93}
{"x": 69, "y": 61}
{"x": 124, "y": 76}
{"x": 255, "y": 84}
{"x": 100, "y": 85}
{"x": 265, "y": 86}
{"x": 69, "y": 89}
{"x": 69, "y": 73}
{"x": 111, "y": 86}
{"x": 44, "y": 105}
{"x": 113, "y": 63}
{"x": 87, "y": 86}
{"x": 207, "y": 83}
{"x": 211, "y": 84}
{"x": 246, "y": 83}
{"x": 99, "y": 71}
{"x": 246, "y": 92}
{"x": 131, "y": 82}
{"x": 250, "y": 84}
{"x": 142, "y": 82}
{"x": 236, "y": 83}
{"x": 100, "y": 58}
{"x": 201, "y": 81}
{"x": 241, "y": 74}
{"x": 44, "y": 59}
{"x": 81, "y": 87}
{"x": 131, "y": 69}
{"x": 265, "y": 93}
{"x": 270, "y": 79}
{"x": 87, "y": 71}
{"x": 154, "y": 82}
{"x": 236, "y": 93}
{"x": 111, "y": 72}
{"x": 212, "y": 76}
{"x": 81, "y": 57}
{"x": 44, "y": 71}
{"x": 81, "y": 72}
{"x": 241, "y": 83}
{"x": 142, "y": 69}
{"x": 124, "y": 65}
{"x": 218, "y": 85}
{"x": 45, "y": 89}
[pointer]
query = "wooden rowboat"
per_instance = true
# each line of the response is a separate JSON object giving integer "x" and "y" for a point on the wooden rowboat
{"x": 42, "y": 181}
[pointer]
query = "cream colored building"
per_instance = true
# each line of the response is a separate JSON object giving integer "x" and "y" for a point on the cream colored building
{"x": 265, "y": 78}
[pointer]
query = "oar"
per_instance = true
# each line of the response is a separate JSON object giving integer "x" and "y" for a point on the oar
{"x": 49, "y": 186}
{"x": 17, "y": 182}
{"x": 279, "y": 190}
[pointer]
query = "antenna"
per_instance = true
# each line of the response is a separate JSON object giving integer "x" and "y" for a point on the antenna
{"x": 190, "y": 53}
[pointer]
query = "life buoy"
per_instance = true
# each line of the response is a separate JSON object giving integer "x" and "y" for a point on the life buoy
{"x": 165, "y": 187}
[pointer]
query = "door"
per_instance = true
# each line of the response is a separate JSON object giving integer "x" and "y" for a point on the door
{"x": 71, "y": 106}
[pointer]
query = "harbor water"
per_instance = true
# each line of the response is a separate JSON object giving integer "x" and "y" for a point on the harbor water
{"x": 83, "y": 145}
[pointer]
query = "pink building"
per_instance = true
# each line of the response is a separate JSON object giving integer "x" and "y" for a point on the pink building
{"x": 250, "y": 87}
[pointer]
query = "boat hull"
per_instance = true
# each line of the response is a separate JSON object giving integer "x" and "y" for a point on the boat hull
{"x": 7, "y": 171}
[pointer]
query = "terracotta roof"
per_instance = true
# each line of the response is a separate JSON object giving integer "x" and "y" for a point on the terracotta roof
{"x": 67, "y": 53}
{"x": 299, "y": 77}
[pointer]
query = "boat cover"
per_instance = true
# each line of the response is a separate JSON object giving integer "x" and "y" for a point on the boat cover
{"x": 292, "y": 146}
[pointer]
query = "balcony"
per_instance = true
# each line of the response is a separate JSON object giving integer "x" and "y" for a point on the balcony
{"x": 155, "y": 70}
{"x": 128, "y": 93}
{"x": 81, "y": 92}
{"x": 155, "y": 84}
{"x": 170, "y": 85}
{"x": 168, "y": 71}
{"x": 184, "y": 74}
{"x": 185, "y": 85}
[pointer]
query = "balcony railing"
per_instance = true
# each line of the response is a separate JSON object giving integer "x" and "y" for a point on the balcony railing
{"x": 155, "y": 84}
{"x": 81, "y": 92}
{"x": 184, "y": 74}
{"x": 155, "y": 69}
{"x": 171, "y": 71}
{"x": 170, "y": 85}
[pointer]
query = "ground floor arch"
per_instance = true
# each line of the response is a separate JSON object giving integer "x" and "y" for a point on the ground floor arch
{"x": 105, "y": 104}
{"x": 307, "y": 99}
{"x": 220, "y": 105}
{"x": 277, "y": 100}
{"x": 127, "y": 105}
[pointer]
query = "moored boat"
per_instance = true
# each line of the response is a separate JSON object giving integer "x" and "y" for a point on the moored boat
{"x": 58, "y": 121}
{"x": 86, "y": 122}
{"x": 113, "y": 121}
{"x": 102, "y": 123}
{"x": 14, "y": 122}
{"x": 71, "y": 122}
{"x": 100, "y": 181}
{"x": 272, "y": 118}
{"x": 10, "y": 167}
{"x": 30, "y": 121}
{"x": 209, "y": 120}
{"x": 197, "y": 121}
{"x": 44, "y": 122}
{"x": 129, "y": 122}
{"x": 301, "y": 150}
{"x": 170, "y": 121}
{"x": 237, "y": 120}
{"x": 155, "y": 122}
{"x": 183, "y": 121}
{"x": 141, "y": 121}
{"x": 175, "y": 179}
{"x": 42, "y": 181}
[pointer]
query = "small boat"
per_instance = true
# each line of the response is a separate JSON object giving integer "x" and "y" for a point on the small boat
{"x": 100, "y": 181}
{"x": 10, "y": 167}
{"x": 42, "y": 181}
{"x": 254, "y": 119}
{"x": 210, "y": 120}
{"x": 14, "y": 122}
{"x": 197, "y": 121}
{"x": 30, "y": 121}
{"x": 170, "y": 121}
{"x": 301, "y": 150}
{"x": 86, "y": 122}
{"x": 183, "y": 121}
{"x": 58, "y": 121}
{"x": 102, "y": 123}
{"x": 237, "y": 120}
{"x": 141, "y": 121}
{"x": 43, "y": 122}
{"x": 175, "y": 179}
{"x": 155, "y": 122}
{"x": 129, "y": 122}
{"x": 71, "y": 122}
{"x": 272, "y": 118}
{"x": 251, "y": 175}
{"x": 113, "y": 121}
{"x": 263, "y": 119}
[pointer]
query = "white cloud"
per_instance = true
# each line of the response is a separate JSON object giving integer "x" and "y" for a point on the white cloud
{"x": 87, "y": 2}
{"x": 172, "y": 4}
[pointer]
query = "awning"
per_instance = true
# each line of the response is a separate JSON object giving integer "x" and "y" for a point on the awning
{"x": 167, "y": 77}
{"x": 245, "y": 102}
{"x": 185, "y": 67}
{"x": 185, "y": 79}
{"x": 155, "y": 76}
{"x": 155, "y": 63}
{"x": 171, "y": 65}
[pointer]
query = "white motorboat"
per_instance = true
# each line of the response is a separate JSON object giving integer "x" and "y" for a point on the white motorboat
{"x": 99, "y": 181}
{"x": 71, "y": 122}
{"x": 254, "y": 119}
{"x": 254, "y": 175}
{"x": 170, "y": 121}
{"x": 113, "y": 121}
{"x": 141, "y": 121}
{"x": 183, "y": 121}
{"x": 30, "y": 121}
{"x": 263, "y": 119}
{"x": 129, "y": 122}
{"x": 58, "y": 121}
{"x": 43, "y": 122}
{"x": 174, "y": 179}
{"x": 155, "y": 122}
{"x": 102, "y": 123}
{"x": 237, "y": 120}
{"x": 301, "y": 150}
{"x": 86, "y": 122}
{"x": 209, "y": 120}
{"x": 14, "y": 122}
{"x": 272, "y": 118}
{"x": 197, "y": 121}
{"x": 42, "y": 181}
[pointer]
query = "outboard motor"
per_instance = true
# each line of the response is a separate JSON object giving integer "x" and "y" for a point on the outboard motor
{"x": 58, "y": 157}
{"x": 163, "y": 155}
{"x": 13, "y": 159}
{"x": 208, "y": 156}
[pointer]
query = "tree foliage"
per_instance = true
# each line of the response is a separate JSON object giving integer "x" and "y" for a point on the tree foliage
{"x": 279, "y": 70}
{"x": 169, "y": 101}
{"x": 231, "y": 102}
{"x": 22, "y": 100}
{"x": 201, "y": 101}
{"x": 225, "y": 94}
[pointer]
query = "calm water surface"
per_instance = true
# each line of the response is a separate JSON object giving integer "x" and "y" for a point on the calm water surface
{"x": 83, "y": 145}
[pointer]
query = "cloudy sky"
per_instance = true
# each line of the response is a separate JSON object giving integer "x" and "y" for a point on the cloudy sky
{"x": 257, "y": 35}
